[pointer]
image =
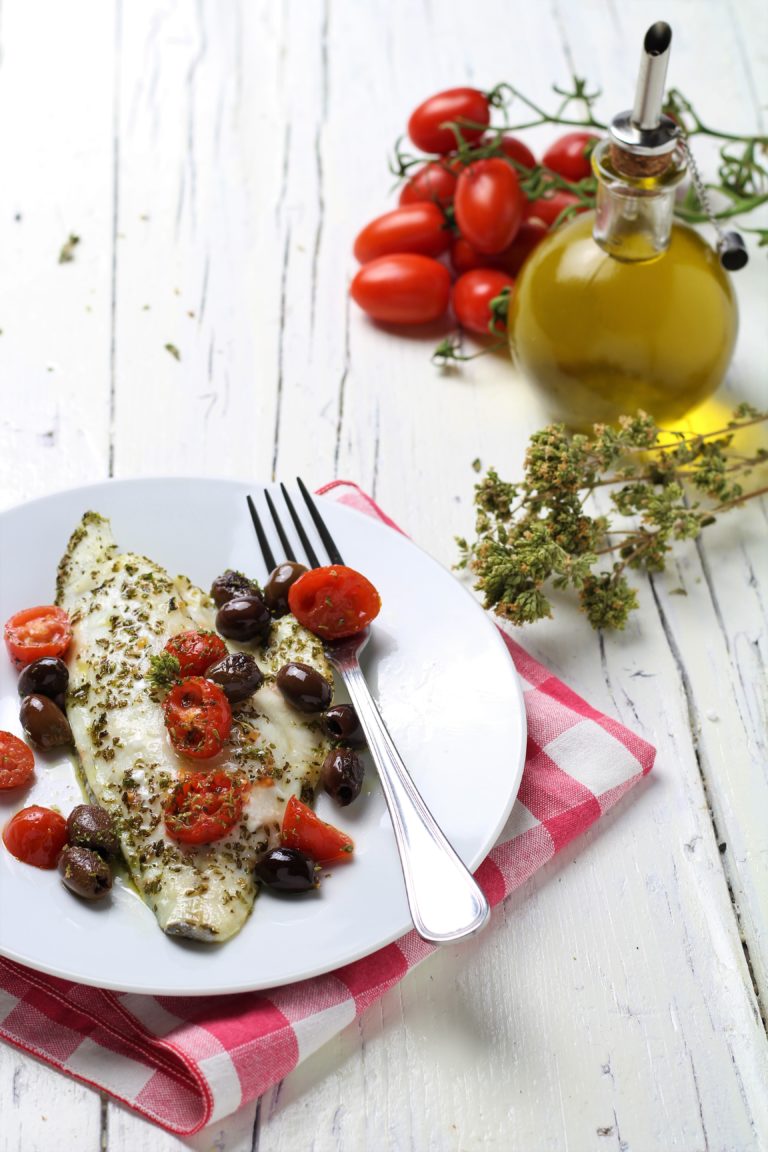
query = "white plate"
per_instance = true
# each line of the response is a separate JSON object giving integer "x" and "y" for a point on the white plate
{"x": 436, "y": 666}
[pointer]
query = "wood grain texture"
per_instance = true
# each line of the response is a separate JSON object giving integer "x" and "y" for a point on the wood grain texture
{"x": 217, "y": 160}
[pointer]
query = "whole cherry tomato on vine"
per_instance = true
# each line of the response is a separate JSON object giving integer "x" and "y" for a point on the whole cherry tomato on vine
{"x": 473, "y": 294}
{"x": 489, "y": 204}
{"x": 402, "y": 289}
{"x": 419, "y": 228}
{"x": 435, "y": 182}
{"x": 548, "y": 208}
{"x": 569, "y": 156}
{"x": 455, "y": 105}
{"x": 513, "y": 147}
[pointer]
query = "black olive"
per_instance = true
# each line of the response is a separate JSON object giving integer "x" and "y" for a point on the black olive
{"x": 90, "y": 826}
{"x": 276, "y": 587}
{"x": 238, "y": 675}
{"x": 342, "y": 775}
{"x": 231, "y": 584}
{"x": 47, "y": 676}
{"x": 244, "y": 618}
{"x": 342, "y": 723}
{"x": 287, "y": 870}
{"x": 84, "y": 872}
{"x": 304, "y": 687}
{"x": 44, "y": 723}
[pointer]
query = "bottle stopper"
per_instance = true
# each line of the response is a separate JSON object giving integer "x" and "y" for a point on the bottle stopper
{"x": 643, "y": 138}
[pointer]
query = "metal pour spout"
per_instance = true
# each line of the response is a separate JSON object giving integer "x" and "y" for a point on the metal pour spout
{"x": 649, "y": 95}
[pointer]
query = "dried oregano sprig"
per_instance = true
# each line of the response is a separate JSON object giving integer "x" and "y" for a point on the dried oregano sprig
{"x": 536, "y": 534}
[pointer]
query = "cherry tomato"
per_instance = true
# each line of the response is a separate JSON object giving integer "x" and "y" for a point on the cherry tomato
{"x": 334, "y": 601}
{"x": 196, "y": 651}
{"x": 513, "y": 147}
{"x": 569, "y": 156}
{"x": 472, "y": 296}
{"x": 435, "y": 182}
{"x": 416, "y": 227}
{"x": 402, "y": 289}
{"x": 36, "y": 836}
{"x": 529, "y": 235}
{"x": 549, "y": 207}
{"x": 303, "y": 829}
{"x": 36, "y": 632}
{"x": 455, "y": 104}
{"x": 198, "y": 718}
{"x": 16, "y": 761}
{"x": 489, "y": 204}
{"x": 204, "y": 806}
{"x": 465, "y": 257}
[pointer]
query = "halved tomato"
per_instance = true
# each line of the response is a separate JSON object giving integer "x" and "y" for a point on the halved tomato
{"x": 35, "y": 632}
{"x": 36, "y": 836}
{"x": 16, "y": 761}
{"x": 204, "y": 806}
{"x": 196, "y": 651}
{"x": 334, "y": 601}
{"x": 303, "y": 829}
{"x": 198, "y": 718}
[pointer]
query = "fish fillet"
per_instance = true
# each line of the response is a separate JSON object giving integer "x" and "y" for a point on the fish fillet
{"x": 123, "y": 609}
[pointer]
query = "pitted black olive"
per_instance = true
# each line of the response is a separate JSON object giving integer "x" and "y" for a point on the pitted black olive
{"x": 47, "y": 676}
{"x": 278, "y": 584}
{"x": 342, "y": 723}
{"x": 231, "y": 584}
{"x": 304, "y": 687}
{"x": 244, "y": 618}
{"x": 238, "y": 675}
{"x": 287, "y": 870}
{"x": 84, "y": 872}
{"x": 89, "y": 826}
{"x": 44, "y": 723}
{"x": 342, "y": 775}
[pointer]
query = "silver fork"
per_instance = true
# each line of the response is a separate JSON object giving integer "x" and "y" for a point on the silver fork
{"x": 445, "y": 902}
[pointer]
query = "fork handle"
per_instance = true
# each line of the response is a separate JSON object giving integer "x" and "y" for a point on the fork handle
{"x": 444, "y": 899}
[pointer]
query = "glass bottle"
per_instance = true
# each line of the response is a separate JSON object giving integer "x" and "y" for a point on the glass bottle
{"x": 624, "y": 307}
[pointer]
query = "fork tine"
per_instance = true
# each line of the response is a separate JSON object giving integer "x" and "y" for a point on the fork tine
{"x": 266, "y": 551}
{"x": 288, "y": 550}
{"x": 328, "y": 541}
{"x": 311, "y": 554}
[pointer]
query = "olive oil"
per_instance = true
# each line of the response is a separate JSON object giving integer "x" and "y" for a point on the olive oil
{"x": 602, "y": 336}
{"x": 624, "y": 308}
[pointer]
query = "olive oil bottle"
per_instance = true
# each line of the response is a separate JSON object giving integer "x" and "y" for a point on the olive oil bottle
{"x": 624, "y": 308}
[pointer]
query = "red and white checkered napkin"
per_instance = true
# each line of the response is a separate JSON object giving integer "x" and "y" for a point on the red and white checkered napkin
{"x": 185, "y": 1062}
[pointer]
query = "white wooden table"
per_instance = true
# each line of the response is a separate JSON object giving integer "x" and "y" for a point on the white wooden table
{"x": 216, "y": 160}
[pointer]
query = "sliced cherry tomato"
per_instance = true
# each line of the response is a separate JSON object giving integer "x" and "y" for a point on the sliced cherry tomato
{"x": 334, "y": 601}
{"x": 402, "y": 289}
{"x": 36, "y": 632}
{"x": 472, "y": 296}
{"x": 16, "y": 761}
{"x": 198, "y": 718}
{"x": 303, "y": 829}
{"x": 513, "y": 147}
{"x": 435, "y": 182}
{"x": 36, "y": 836}
{"x": 455, "y": 104}
{"x": 548, "y": 208}
{"x": 196, "y": 651}
{"x": 204, "y": 806}
{"x": 569, "y": 156}
{"x": 416, "y": 227}
{"x": 489, "y": 204}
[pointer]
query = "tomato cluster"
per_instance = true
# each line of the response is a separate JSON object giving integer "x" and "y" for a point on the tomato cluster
{"x": 469, "y": 215}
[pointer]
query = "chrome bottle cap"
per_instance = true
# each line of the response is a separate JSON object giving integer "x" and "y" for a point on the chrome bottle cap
{"x": 644, "y": 130}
